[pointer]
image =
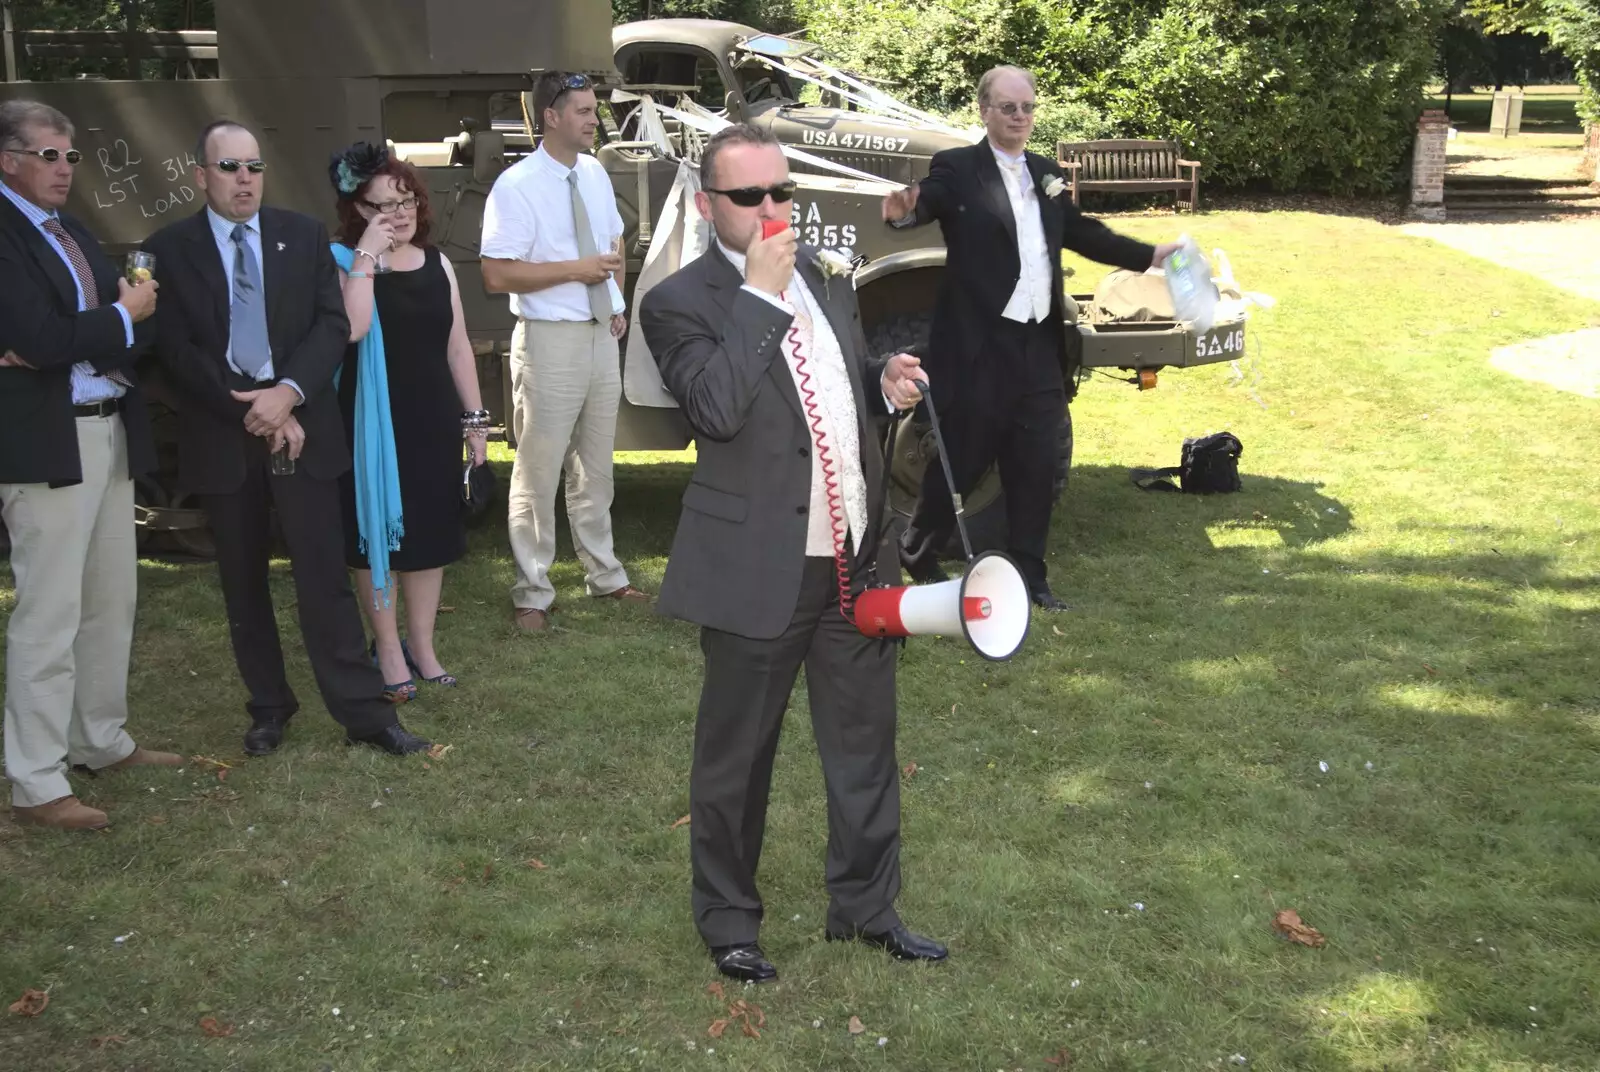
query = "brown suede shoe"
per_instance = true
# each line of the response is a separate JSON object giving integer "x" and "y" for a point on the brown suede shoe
{"x": 143, "y": 757}
{"x": 530, "y": 619}
{"x": 627, "y": 591}
{"x": 64, "y": 813}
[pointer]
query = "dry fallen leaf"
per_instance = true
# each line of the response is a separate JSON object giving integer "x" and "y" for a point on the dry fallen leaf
{"x": 741, "y": 1012}
{"x": 681, "y": 822}
{"x": 488, "y": 872}
{"x": 910, "y": 769}
{"x": 1288, "y": 923}
{"x": 1061, "y": 1060}
{"x": 856, "y": 1026}
{"x": 156, "y": 820}
{"x": 535, "y": 863}
{"x": 31, "y": 1003}
{"x": 1056, "y": 629}
{"x": 438, "y": 750}
{"x": 210, "y": 1026}
{"x": 715, "y": 990}
{"x": 717, "y": 1028}
{"x": 447, "y": 610}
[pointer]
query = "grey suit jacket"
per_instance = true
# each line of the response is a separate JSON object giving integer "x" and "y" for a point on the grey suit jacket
{"x": 740, "y": 546}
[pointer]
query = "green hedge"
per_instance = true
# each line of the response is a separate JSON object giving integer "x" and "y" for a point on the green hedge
{"x": 1316, "y": 95}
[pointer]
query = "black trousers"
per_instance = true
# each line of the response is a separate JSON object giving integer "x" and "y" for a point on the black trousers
{"x": 1009, "y": 411}
{"x": 851, "y": 687}
{"x": 330, "y": 621}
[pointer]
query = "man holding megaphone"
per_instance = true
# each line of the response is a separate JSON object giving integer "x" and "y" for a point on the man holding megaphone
{"x": 781, "y": 524}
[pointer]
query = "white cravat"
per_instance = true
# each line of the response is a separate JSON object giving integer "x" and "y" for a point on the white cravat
{"x": 831, "y": 394}
{"x": 1031, "y": 299}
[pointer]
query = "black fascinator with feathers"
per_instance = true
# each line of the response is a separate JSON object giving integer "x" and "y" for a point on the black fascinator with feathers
{"x": 350, "y": 170}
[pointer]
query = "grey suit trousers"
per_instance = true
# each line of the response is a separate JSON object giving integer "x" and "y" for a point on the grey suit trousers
{"x": 851, "y": 687}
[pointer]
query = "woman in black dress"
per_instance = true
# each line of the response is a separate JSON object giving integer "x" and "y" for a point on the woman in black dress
{"x": 408, "y": 340}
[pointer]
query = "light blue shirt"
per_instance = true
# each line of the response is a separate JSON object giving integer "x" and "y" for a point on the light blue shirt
{"x": 87, "y": 384}
{"x": 222, "y": 231}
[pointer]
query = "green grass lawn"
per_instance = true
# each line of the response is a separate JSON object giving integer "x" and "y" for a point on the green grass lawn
{"x": 1545, "y": 109}
{"x": 1102, "y": 829}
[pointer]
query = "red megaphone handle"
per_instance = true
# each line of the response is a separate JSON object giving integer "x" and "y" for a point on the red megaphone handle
{"x": 830, "y": 476}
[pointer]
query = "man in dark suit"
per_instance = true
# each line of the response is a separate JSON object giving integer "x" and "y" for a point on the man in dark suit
{"x": 252, "y": 330}
{"x": 73, "y": 435}
{"x": 786, "y": 503}
{"x": 999, "y": 345}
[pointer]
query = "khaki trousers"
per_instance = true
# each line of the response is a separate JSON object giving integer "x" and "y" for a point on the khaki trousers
{"x": 76, "y": 565}
{"x": 566, "y": 381}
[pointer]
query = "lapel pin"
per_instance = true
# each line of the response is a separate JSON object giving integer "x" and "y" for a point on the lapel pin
{"x": 280, "y": 247}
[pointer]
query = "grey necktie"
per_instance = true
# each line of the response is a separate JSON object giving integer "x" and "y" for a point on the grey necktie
{"x": 599, "y": 293}
{"x": 248, "y": 320}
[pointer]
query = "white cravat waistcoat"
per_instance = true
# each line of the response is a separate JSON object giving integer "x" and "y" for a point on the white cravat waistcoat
{"x": 1031, "y": 299}
{"x": 829, "y": 389}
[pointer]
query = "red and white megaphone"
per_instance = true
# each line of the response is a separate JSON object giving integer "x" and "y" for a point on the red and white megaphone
{"x": 989, "y": 605}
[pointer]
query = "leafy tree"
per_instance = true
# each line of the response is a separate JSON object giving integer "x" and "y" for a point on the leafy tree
{"x": 1287, "y": 94}
{"x": 1572, "y": 27}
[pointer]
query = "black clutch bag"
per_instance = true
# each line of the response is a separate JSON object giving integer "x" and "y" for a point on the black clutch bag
{"x": 477, "y": 489}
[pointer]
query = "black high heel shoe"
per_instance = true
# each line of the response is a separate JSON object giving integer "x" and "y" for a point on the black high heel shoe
{"x": 405, "y": 691}
{"x": 448, "y": 680}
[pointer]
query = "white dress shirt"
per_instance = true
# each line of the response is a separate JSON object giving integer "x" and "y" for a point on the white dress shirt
{"x": 88, "y": 386}
{"x": 528, "y": 217}
{"x": 1031, "y": 298}
{"x": 222, "y": 231}
{"x": 836, "y": 410}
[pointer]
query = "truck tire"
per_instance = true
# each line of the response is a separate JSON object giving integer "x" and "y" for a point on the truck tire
{"x": 911, "y": 449}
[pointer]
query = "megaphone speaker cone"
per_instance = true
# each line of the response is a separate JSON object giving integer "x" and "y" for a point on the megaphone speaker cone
{"x": 989, "y": 605}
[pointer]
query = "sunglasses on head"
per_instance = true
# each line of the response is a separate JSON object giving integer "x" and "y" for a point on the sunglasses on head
{"x": 255, "y": 167}
{"x": 1011, "y": 107}
{"x": 52, "y": 154}
{"x": 752, "y": 196}
{"x": 569, "y": 81}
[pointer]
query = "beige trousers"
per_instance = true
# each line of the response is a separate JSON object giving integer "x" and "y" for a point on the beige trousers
{"x": 566, "y": 382}
{"x": 77, "y": 568}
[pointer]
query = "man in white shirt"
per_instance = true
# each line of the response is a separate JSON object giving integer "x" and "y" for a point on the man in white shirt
{"x": 551, "y": 240}
{"x": 999, "y": 343}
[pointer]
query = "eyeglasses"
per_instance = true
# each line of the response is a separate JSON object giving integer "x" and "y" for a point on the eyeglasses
{"x": 389, "y": 208}
{"x": 52, "y": 154}
{"x": 255, "y": 167}
{"x": 752, "y": 196}
{"x": 1011, "y": 107}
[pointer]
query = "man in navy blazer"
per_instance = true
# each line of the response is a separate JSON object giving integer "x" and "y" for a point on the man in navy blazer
{"x": 73, "y": 435}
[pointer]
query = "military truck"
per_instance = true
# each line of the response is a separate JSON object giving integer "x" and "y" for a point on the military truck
{"x": 443, "y": 85}
{"x": 746, "y": 76}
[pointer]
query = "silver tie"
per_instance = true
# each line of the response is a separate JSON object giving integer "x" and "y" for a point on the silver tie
{"x": 599, "y": 293}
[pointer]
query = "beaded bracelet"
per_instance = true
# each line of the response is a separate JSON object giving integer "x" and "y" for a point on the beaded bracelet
{"x": 475, "y": 422}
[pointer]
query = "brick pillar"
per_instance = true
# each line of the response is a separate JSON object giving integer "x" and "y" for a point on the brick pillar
{"x": 1428, "y": 165}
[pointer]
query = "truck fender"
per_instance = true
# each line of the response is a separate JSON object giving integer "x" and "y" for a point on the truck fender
{"x": 895, "y": 263}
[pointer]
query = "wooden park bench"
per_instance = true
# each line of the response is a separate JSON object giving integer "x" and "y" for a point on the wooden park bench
{"x": 1129, "y": 166}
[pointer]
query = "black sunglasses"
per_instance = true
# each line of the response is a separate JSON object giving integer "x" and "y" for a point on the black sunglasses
{"x": 752, "y": 196}
{"x": 52, "y": 154}
{"x": 255, "y": 167}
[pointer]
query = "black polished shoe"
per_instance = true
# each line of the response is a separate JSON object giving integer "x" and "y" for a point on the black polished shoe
{"x": 395, "y": 739}
{"x": 744, "y": 963}
{"x": 899, "y": 943}
{"x": 1047, "y": 599}
{"x": 263, "y": 737}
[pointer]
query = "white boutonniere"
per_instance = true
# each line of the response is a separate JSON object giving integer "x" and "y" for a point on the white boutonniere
{"x": 1053, "y": 186}
{"x": 834, "y": 262}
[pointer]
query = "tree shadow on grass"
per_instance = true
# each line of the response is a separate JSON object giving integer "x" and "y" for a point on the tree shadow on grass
{"x": 1219, "y": 650}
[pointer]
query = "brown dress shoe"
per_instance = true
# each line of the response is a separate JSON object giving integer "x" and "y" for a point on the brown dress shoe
{"x": 143, "y": 757}
{"x": 63, "y": 813}
{"x": 530, "y": 619}
{"x": 627, "y": 591}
